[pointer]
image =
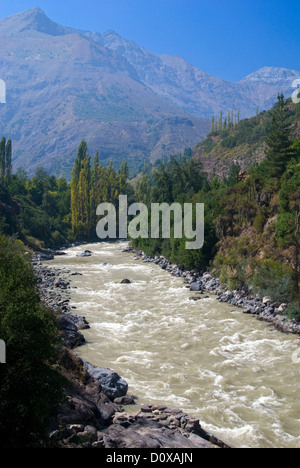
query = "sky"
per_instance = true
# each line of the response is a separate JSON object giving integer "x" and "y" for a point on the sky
{"x": 225, "y": 38}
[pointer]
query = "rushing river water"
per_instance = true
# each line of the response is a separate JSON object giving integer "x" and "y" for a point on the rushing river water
{"x": 229, "y": 370}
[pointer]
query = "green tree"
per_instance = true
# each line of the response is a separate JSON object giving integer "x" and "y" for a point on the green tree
{"x": 29, "y": 383}
{"x": 279, "y": 140}
{"x": 79, "y": 189}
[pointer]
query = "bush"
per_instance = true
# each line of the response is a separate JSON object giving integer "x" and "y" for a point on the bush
{"x": 29, "y": 384}
{"x": 293, "y": 311}
{"x": 272, "y": 278}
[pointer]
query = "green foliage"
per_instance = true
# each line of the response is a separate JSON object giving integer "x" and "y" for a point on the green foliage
{"x": 29, "y": 384}
{"x": 259, "y": 221}
{"x": 279, "y": 140}
{"x": 293, "y": 311}
{"x": 268, "y": 273}
{"x": 91, "y": 186}
{"x": 251, "y": 223}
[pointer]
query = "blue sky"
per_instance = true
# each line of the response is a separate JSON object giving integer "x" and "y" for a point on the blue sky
{"x": 226, "y": 38}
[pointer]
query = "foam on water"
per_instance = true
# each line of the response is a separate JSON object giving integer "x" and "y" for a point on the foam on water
{"x": 233, "y": 372}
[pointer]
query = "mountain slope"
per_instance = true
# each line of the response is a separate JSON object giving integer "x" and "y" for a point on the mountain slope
{"x": 197, "y": 92}
{"x": 63, "y": 87}
{"x": 242, "y": 144}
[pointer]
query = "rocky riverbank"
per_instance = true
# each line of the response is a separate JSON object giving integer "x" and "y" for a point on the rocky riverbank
{"x": 92, "y": 415}
{"x": 263, "y": 308}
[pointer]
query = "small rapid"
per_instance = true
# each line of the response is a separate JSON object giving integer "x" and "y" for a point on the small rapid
{"x": 233, "y": 372}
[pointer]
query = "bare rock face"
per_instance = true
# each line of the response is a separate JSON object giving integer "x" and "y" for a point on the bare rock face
{"x": 157, "y": 427}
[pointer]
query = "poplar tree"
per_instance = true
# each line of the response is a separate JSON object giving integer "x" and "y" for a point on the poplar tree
{"x": 212, "y": 124}
{"x": 77, "y": 190}
{"x": 220, "y": 124}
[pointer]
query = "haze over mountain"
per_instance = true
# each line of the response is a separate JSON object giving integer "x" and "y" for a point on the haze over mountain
{"x": 65, "y": 85}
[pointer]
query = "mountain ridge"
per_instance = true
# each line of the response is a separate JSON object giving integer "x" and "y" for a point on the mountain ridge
{"x": 73, "y": 88}
{"x": 125, "y": 101}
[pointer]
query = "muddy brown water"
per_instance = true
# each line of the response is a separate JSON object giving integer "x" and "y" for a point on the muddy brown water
{"x": 231, "y": 371}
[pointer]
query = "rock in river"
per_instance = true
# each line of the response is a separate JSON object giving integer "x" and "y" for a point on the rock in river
{"x": 86, "y": 253}
{"x": 113, "y": 386}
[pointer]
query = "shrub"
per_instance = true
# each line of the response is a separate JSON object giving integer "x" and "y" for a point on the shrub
{"x": 29, "y": 384}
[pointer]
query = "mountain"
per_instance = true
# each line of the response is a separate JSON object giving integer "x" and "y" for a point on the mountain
{"x": 65, "y": 85}
{"x": 196, "y": 92}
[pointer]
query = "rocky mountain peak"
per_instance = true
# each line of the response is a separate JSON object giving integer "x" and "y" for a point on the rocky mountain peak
{"x": 271, "y": 74}
{"x": 32, "y": 20}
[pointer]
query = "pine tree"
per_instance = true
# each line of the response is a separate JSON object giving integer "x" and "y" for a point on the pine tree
{"x": 278, "y": 141}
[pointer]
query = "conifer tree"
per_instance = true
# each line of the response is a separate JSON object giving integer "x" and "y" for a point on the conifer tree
{"x": 278, "y": 141}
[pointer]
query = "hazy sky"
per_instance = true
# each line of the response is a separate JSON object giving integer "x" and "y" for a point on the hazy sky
{"x": 226, "y": 38}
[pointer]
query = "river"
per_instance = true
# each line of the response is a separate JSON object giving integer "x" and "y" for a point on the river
{"x": 231, "y": 371}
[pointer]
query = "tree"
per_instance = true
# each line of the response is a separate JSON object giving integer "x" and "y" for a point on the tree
{"x": 220, "y": 122}
{"x": 29, "y": 383}
{"x": 212, "y": 124}
{"x": 78, "y": 164}
{"x": 279, "y": 140}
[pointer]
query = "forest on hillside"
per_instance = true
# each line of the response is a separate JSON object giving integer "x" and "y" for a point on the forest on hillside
{"x": 251, "y": 217}
{"x": 251, "y": 243}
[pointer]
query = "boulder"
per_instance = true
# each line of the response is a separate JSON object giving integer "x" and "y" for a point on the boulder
{"x": 78, "y": 321}
{"x": 125, "y": 281}
{"x": 86, "y": 253}
{"x": 196, "y": 286}
{"x": 113, "y": 386}
{"x": 70, "y": 334}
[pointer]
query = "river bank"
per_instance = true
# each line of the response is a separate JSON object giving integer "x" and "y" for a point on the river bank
{"x": 93, "y": 415}
{"x": 263, "y": 308}
{"x": 181, "y": 349}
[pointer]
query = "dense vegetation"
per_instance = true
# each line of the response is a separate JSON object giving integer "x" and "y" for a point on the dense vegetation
{"x": 29, "y": 383}
{"x": 251, "y": 220}
{"x": 92, "y": 185}
{"x": 251, "y": 241}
